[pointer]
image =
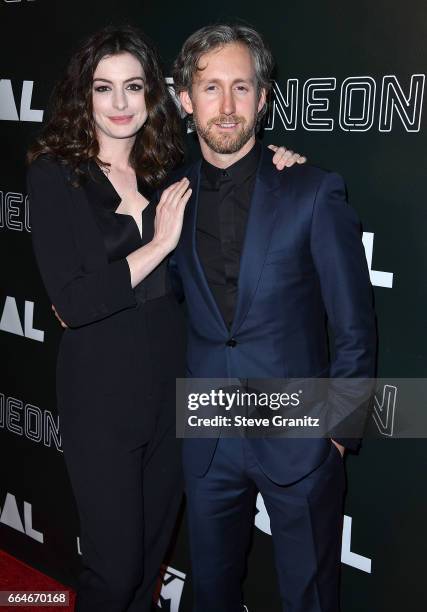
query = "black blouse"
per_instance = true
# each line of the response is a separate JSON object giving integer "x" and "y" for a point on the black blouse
{"x": 121, "y": 234}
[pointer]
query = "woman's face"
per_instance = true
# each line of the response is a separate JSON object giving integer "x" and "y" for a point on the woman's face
{"x": 118, "y": 98}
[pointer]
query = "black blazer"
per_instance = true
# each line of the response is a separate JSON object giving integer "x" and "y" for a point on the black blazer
{"x": 81, "y": 283}
{"x": 118, "y": 337}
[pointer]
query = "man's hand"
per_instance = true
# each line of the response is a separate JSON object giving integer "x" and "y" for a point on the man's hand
{"x": 340, "y": 447}
{"x": 58, "y": 317}
{"x": 285, "y": 158}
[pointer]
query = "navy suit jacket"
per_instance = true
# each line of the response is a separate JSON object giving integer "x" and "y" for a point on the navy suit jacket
{"x": 302, "y": 265}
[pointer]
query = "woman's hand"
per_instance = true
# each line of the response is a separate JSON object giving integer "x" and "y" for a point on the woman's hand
{"x": 63, "y": 324}
{"x": 167, "y": 230}
{"x": 340, "y": 447}
{"x": 285, "y": 158}
{"x": 170, "y": 215}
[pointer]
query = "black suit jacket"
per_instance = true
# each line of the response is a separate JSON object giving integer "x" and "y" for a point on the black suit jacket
{"x": 82, "y": 285}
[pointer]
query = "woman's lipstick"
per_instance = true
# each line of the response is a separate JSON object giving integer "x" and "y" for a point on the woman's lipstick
{"x": 121, "y": 119}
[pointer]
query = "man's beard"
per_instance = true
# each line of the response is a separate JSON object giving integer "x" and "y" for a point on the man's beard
{"x": 225, "y": 143}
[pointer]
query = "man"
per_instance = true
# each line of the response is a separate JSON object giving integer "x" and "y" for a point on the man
{"x": 264, "y": 259}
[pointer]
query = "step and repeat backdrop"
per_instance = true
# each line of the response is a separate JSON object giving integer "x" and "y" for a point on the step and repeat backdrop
{"x": 348, "y": 93}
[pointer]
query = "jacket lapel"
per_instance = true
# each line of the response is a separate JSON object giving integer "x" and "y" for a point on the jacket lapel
{"x": 261, "y": 221}
{"x": 188, "y": 243}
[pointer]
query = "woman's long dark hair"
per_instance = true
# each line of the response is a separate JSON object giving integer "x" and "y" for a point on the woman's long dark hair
{"x": 70, "y": 133}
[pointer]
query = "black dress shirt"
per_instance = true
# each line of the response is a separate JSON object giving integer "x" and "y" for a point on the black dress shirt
{"x": 223, "y": 208}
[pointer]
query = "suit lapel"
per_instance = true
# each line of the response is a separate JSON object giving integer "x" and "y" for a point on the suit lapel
{"x": 188, "y": 242}
{"x": 259, "y": 229}
{"x": 261, "y": 221}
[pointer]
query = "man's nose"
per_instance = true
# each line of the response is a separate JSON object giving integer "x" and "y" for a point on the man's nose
{"x": 228, "y": 106}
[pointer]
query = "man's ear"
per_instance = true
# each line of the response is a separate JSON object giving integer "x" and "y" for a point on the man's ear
{"x": 186, "y": 103}
{"x": 262, "y": 99}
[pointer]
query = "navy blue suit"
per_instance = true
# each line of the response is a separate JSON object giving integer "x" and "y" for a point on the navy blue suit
{"x": 302, "y": 264}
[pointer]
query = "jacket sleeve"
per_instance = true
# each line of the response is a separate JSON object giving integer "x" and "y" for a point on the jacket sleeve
{"x": 342, "y": 269}
{"x": 175, "y": 278}
{"x": 173, "y": 270}
{"x": 80, "y": 297}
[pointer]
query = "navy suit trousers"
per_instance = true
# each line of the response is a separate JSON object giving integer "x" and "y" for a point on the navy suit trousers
{"x": 306, "y": 526}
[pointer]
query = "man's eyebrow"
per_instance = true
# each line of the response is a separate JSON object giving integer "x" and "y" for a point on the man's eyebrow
{"x": 204, "y": 80}
{"x": 126, "y": 81}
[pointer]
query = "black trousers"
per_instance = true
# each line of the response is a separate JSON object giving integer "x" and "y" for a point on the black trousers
{"x": 128, "y": 501}
{"x": 306, "y": 526}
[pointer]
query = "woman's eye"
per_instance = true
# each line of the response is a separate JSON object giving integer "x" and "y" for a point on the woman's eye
{"x": 102, "y": 88}
{"x": 135, "y": 87}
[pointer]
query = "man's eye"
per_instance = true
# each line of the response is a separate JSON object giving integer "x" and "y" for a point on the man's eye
{"x": 242, "y": 88}
{"x": 135, "y": 87}
{"x": 211, "y": 88}
{"x": 102, "y": 88}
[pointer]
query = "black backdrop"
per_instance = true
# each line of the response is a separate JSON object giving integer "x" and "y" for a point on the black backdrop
{"x": 349, "y": 93}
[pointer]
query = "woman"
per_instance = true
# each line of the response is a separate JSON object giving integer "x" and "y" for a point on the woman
{"x": 101, "y": 246}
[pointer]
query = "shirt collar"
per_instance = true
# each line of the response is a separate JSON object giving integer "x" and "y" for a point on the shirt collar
{"x": 238, "y": 172}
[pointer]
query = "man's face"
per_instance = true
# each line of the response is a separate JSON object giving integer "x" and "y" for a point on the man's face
{"x": 224, "y": 99}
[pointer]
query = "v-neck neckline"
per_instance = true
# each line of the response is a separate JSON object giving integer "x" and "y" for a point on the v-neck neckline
{"x": 113, "y": 191}
{"x": 111, "y": 199}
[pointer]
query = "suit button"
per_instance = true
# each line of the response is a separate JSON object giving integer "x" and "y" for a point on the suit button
{"x": 232, "y": 342}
